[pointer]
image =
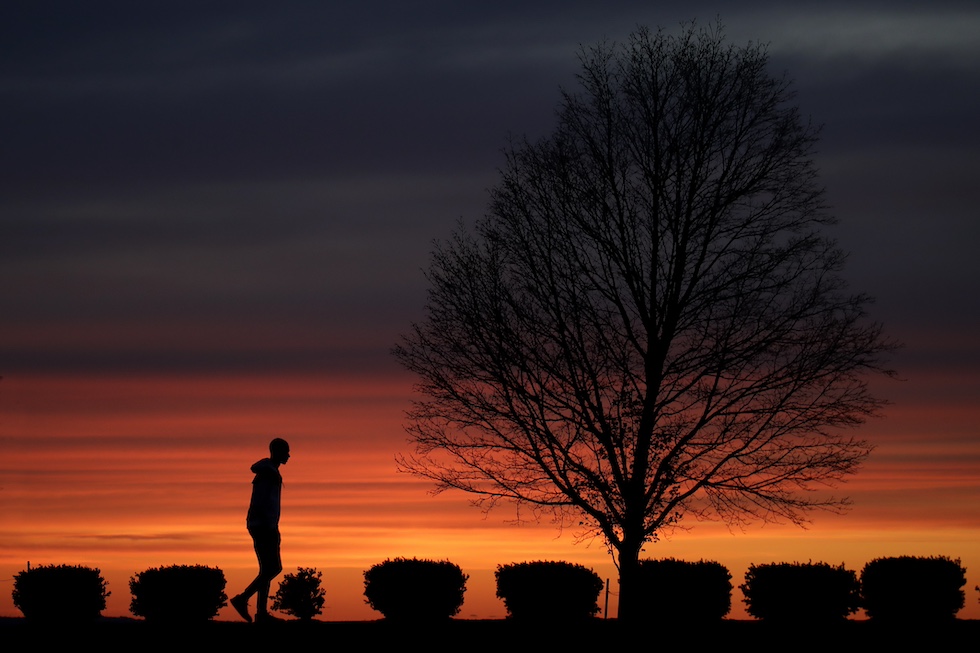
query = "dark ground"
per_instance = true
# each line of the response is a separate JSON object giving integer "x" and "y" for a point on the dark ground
{"x": 505, "y": 636}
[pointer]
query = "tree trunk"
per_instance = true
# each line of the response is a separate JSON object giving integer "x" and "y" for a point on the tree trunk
{"x": 630, "y": 586}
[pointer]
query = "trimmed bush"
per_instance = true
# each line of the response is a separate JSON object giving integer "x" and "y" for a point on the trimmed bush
{"x": 178, "y": 593}
{"x": 300, "y": 594}
{"x": 60, "y": 593}
{"x": 414, "y": 589}
{"x": 682, "y": 591}
{"x": 796, "y": 592}
{"x": 551, "y": 590}
{"x": 913, "y": 589}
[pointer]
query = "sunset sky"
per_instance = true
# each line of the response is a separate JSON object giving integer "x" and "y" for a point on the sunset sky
{"x": 214, "y": 218}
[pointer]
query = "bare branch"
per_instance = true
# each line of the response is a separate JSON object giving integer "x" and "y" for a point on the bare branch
{"x": 649, "y": 323}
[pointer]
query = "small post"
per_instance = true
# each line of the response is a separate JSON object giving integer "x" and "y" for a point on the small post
{"x": 605, "y": 611}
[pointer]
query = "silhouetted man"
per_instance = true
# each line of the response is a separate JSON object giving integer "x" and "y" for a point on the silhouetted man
{"x": 263, "y": 526}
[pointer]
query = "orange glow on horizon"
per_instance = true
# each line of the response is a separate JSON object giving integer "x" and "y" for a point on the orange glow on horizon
{"x": 125, "y": 473}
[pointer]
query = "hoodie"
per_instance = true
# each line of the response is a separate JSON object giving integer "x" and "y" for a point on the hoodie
{"x": 263, "y": 509}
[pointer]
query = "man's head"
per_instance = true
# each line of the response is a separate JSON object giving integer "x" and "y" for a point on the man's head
{"x": 279, "y": 451}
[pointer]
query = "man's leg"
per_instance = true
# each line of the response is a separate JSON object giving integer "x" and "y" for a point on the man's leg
{"x": 270, "y": 564}
{"x": 266, "y": 545}
{"x": 262, "y": 598}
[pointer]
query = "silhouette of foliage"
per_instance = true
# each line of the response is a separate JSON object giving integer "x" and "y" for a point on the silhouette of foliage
{"x": 548, "y": 590}
{"x": 300, "y": 594}
{"x": 415, "y": 589}
{"x": 911, "y": 589}
{"x": 796, "y": 592}
{"x": 178, "y": 593}
{"x": 681, "y": 591}
{"x": 60, "y": 592}
{"x": 650, "y": 321}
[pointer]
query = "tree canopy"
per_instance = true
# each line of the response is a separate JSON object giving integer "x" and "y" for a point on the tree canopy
{"x": 650, "y": 322}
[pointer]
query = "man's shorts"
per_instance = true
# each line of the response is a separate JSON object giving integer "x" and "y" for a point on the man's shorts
{"x": 266, "y": 542}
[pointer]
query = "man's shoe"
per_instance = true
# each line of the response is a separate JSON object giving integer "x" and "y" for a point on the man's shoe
{"x": 240, "y": 603}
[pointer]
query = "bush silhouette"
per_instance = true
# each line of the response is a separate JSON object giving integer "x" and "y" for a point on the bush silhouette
{"x": 60, "y": 592}
{"x": 178, "y": 593}
{"x": 910, "y": 589}
{"x": 300, "y": 594}
{"x": 795, "y": 592}
{"x": 548, "y": 590}
{"x": 681, "y": 591}
{"x": 414, "y": 589}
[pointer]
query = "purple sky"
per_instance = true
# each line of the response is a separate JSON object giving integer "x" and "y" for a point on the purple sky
{"x": 278, "y": 172}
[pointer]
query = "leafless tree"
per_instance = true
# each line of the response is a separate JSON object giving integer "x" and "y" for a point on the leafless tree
{"x": 649, "y": 324}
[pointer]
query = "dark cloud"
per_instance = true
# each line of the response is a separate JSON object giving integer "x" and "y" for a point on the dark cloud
{"x": 276, "y": 171}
